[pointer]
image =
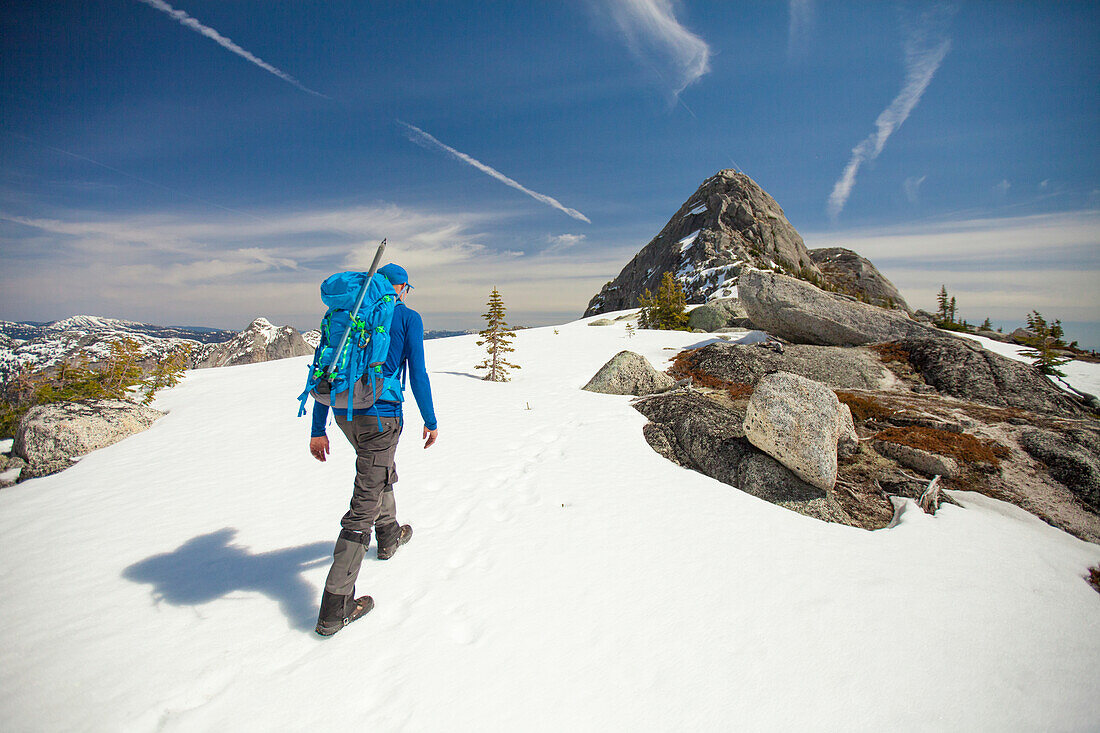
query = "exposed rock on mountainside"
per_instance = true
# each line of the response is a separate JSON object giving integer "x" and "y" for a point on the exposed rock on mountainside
{"x": 628, "y": 373}
{"x": 962, "y": 368}
{"x": 799, "y": 422}
{"x": 728, "y": 222}
{"x": 800, "y": 312}
{"x": 847, "y": 272}
{"x": 261, "y": 341}
{"x": 698, "y": 433}
{"x": 1073, "y": 458}
{"x": 717, "y": 314}
{"x": 704, "y": 432}
{"x": 51, "y": 437}
{"x": 1038, "y": 454}
{"x": 836, "y": 367}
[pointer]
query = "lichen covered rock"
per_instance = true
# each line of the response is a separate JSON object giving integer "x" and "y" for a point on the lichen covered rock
{"x": 798, "y": 422}
{"x": 800, "y": 312}
{"x": 628, "y": 373}
{"x": 51, "y": 437}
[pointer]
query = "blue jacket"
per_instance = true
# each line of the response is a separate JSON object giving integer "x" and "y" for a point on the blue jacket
{"x": 406, "y": 347}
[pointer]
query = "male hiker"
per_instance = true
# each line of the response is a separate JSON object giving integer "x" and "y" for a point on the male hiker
{"x": 373, "y": 433}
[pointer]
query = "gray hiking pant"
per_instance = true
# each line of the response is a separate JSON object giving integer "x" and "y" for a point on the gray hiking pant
{"x": 372, "y": 503}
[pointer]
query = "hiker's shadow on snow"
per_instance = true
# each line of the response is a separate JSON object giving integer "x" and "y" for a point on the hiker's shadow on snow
{"x": 210, "y": 566}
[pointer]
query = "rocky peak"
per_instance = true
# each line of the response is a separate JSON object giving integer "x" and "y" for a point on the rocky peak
{"x": 729, "y": 222}
{"x": 261, "y": 341}
{"x": 847, "y": 272}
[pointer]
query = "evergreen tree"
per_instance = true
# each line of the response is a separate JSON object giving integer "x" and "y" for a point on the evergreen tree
{"x": 987, "y": 325}
{"x": 942, "y": 304}
{"x": 952, "y": 311}
{"x": 1041, "y": 349}
{"x": 668, "y": 309}
{"x": 166, "y": 373}
{"x": 496, "y": 337}
{"x": 1057, "y": 333}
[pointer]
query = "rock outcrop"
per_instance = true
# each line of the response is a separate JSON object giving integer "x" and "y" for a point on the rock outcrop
{"x": 51, "y": 437}
{"x": 799, "y": 423}
{"x": 719, "y": 314}
{"x": 727, "y": 223}
{"x": 261, "y": 341}
{"x": 11, "y": 468}
{"x": 847, "y": 272}
{"x": 628, "y": 373}
{"x": 698, "y": 433}
{"x": 833, "y": 366}
{"x": 925, "y": 462}
{"x": 964, "y": 369}
{"x": 798, "y": 311}
{"x": 1043, "y": 463}
{"x": 1073, "y": 458}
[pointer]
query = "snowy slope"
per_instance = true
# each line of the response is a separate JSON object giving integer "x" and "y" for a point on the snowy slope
{"x": 563, "y": 576}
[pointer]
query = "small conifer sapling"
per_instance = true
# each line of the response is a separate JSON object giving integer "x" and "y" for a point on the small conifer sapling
{"x": 496, "y": 338}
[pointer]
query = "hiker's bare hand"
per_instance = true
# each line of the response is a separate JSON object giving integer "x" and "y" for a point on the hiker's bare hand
{"x": 319, "y": 447}
{"x": 429, "y": 437}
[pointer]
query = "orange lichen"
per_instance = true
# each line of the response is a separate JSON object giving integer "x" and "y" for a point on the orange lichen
{"x": 890, "y": 352}
{"x": 864, "y": 407}
{"x": 961, "y": 446}
{"x": 684, "y": 365}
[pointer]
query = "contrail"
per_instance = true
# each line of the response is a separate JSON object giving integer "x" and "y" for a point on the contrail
{"x": 653, "y": 34}
{"x": 921, "y": 64}
{"x": 224, "y": 42}
{"x": 422, "y": 138}
{"x": 798, "y": 32}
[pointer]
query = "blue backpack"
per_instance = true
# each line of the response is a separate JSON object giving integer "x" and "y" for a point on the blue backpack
{"x": 355, "y": 380}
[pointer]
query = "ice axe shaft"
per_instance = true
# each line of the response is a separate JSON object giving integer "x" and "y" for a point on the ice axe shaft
{"x": 355, "y": 310}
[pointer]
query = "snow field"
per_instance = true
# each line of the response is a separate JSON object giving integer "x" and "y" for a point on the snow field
{"x": 562, "y": 576}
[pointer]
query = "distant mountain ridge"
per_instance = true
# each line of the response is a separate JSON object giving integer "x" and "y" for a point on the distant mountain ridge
{"x": 30, "y": 330}
{"x": 43, "y": 346}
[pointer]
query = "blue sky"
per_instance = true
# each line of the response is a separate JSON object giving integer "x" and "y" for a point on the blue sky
{"x": 207, "y": 162}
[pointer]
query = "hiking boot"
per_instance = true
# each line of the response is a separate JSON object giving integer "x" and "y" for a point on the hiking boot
{"x": 406, "y": 533}
{"x": 339, "y": 611}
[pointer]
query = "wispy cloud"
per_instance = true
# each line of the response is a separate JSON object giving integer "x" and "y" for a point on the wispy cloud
{"x": 223, "y": 271}
{"x": 1002, "y": 267}
{"x": 218, "y": 38}
{"x": 925, "y": 50}
{"x": 652, "y": 33}
{"x": 798, "y": 34}
{"x": 912, "y": 188}
{"x": 1002, "y": 187}
{"x": 420, "y": 137}
{"x": 562, "y": 242}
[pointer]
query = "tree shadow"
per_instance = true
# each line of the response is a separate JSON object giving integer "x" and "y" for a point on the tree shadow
{"x": 209, "y": 567}
{"x": 746, "y": 338}
{"x": 463, "y": 374}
